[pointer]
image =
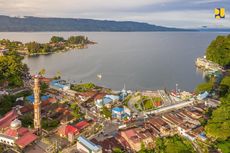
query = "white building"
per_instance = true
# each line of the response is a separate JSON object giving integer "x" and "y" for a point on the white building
{"x": 86, "y": 146}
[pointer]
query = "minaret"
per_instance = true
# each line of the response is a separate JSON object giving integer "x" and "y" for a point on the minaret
{"x": 37, "y": 107}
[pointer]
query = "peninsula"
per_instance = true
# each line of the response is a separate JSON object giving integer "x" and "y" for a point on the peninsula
{"x": 56, "y": 44}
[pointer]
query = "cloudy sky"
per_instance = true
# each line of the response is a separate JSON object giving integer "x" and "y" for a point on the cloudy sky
{"x": 172, "y": 13}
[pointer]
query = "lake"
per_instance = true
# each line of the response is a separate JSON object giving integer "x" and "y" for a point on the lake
{"x": 140, "y": 60}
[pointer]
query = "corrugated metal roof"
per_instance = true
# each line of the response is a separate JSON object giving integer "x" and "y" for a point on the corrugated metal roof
{"x": 90, "y": 145}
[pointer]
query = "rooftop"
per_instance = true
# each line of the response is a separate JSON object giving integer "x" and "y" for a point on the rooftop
{"x": 88, "y": 144}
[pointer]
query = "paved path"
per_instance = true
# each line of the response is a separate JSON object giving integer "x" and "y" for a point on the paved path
{"x": 131, "y": 103}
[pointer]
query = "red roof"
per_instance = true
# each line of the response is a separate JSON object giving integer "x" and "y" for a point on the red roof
{"x": 26, "y": 139}
{"x": 8, "y": 118}
{"x": 81, "y": 125}
{"x": 130, "y": 133}
{"x": 87, "y": 94}
{"x": 70, "y": 129}
{"x": 52, "y": 100}
{"x": 99, "y": 96}
{"x": 13, "y": 133}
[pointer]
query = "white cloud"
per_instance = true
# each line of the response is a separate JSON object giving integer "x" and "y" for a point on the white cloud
{"x": 115, "y": 10}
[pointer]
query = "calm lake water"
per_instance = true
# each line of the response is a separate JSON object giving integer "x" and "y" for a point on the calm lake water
{"x": 140, "y": 60}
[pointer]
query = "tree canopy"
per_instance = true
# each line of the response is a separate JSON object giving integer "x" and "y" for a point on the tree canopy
{"x": 77, "y": 40}
{"x": 206, "y": 86}
{"x": 220, "y": 120}
{"x": 174, "y": 144}
{"x": 219, "y": 50}
{"x": 12, "y": 69}
{"x": 56, "y": 39}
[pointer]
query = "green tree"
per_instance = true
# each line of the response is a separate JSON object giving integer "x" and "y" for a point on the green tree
{"x": 219, "y": 50}
{"x": 77, "y": 40}
{"x": 207, "y": 86}
{"x": 220, "y": 119}
{"x": 12, "y": 69}
{"x": 224, "y": 146}
{"x": 56, "y": 39}
{"x": 174, "y": 144}
{"x": 34, "y": 47}
{"x": 105, "y": 111}
{"x": 117, "y": 150}
{"x": 76, "y": 111}
{"x": 42, "y": 72}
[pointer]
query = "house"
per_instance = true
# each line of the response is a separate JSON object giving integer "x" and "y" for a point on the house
{"x": 212, "y": 103}
{"x": 135, "y": 137}
{"x": 68, "y": 131}
{"x": 3, "y": 51}
{"x": 160, "y": 125}
{"x": 3, "y": 92}
{"x": 106, "y": 101}
{"x": 86, "y": 146}
{"x": 203, "y": 95}
{"x": 86, "y": 95}
{"x": 43, "y": 98}
{"x": 61, "y": 85}
{"x": 81, "y": 125}
{"x": 121, "y": 113}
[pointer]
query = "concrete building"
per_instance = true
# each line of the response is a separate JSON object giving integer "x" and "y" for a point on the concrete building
{"x": 86, "y": 146}
{"x": 136, "y": 136}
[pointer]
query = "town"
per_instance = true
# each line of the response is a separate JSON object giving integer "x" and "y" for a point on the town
{"x": 59, "y": 116}
{"x": 40, "y": 114}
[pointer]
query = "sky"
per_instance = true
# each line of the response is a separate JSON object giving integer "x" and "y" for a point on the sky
{"x": 170, "y": 13}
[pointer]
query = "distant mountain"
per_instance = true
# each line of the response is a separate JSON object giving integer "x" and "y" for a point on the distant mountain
{"x": 68, "y": 24}
{"x": 214, "y": 29}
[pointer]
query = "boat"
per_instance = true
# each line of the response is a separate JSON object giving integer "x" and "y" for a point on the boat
{"x": 99, "y": 76}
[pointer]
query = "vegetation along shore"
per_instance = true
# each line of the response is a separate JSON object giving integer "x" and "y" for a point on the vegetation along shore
{"x": 56, "y": 44}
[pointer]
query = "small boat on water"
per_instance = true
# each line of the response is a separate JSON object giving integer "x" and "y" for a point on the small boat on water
{"x": 99, "y": 76}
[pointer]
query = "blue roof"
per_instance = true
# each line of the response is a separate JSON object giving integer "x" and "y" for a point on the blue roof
{"x": 118, "y": 109}
{"x": 203, "y": 95}
{"x": 58, "y": 84}
{"x": 90, "y": 145}
{"x": 31, "y": 98}
{"x": 113, "y": 97}
{"x": 107, "y": 100}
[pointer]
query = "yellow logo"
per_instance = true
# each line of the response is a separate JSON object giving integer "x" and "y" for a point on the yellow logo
{"x": 219, "y": 13}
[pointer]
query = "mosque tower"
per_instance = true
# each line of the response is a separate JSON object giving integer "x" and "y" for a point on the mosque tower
{"x": 37, "y": 106}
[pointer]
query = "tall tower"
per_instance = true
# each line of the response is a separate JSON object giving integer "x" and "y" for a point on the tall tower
{"x": 37, "y": 106}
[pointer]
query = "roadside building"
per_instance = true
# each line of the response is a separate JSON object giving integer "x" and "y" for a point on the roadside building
{"x": 82, "y": 125}
{"x": 86, "y": 146}
{"x": 106, "y": 101}
{"x": 135, "y": 137}
{"x": 160, "y": 125}
{"x": 68, "y": 131}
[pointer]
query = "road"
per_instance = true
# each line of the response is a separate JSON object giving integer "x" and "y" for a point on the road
{"x": 131, "y": 103}
{"x": 174, "y": 106}
{"x": 166, "y": 99}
